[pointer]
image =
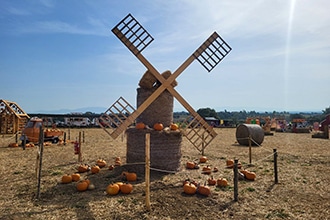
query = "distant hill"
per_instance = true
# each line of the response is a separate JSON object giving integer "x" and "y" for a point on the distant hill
{"x": 77, "y": 110}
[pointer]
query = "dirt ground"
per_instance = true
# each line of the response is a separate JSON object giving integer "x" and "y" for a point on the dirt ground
{"x": 302, "y": 191}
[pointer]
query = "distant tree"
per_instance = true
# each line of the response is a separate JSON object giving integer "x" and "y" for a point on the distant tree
{"x": 296, "y": 116}
{"x": 326, "y": 111}
{"x": 207, "y": 112}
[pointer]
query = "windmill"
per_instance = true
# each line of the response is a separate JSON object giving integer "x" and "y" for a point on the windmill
{"x": 121, "y": 114}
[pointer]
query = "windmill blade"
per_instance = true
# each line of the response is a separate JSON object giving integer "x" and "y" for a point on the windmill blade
{"x": 204, "y": 134}
{"x": 132, "y": 34}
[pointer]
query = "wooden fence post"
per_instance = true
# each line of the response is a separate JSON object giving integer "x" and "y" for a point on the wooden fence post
{"x": 64, "y": 141}
{"x": 275, "y": 165}
{"x": 24, "y": 141}
{"x": 39, "y": 158}
{"x": 147, "y": 171}
{"x": 236, "y": 180}
{"x": 250, "y": 150}
{"x": 80, "y": 152}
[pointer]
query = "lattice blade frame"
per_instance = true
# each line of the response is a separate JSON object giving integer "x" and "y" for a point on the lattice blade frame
{"x": 197, "y": 134}
{"x": 132, "y": 34}
{"x": 116, "y": 114}
{"x": 212, "y": 51}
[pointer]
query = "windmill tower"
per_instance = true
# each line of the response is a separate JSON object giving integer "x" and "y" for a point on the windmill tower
{"x": 156, "y": 93}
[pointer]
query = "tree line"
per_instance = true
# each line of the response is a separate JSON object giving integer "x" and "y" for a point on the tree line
{"x": 237, "y": 117}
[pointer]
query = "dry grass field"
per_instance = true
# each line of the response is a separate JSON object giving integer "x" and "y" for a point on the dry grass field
{"x": 302, "y": 192}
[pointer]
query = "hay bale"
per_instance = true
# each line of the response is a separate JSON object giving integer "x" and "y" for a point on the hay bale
{"x": 148, "y": 80}
{"x": 161, "y": 110}
{"x": 166, "y": 75}
{"x": 165, "y": 149}
{"x": 244, "y": 131}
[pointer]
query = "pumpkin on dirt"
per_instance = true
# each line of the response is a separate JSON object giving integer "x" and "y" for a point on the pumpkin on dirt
{"x": 204, "y": 190}
{"x": 66, "y": 178}
{"x": 248, "y": 174}
{"x": 82, "y": 185}
{"x": 140, "y": 125}
{"x": 191, "y": 165}
{"x": 112, "y": 189}
{"x": 189, "y": 188}
{"x": 203, "y": 159}
{"x": 117, "y": 161}
{"x": 95, "y": 169}
{"x": 229, "y": 163}
{"x": 211, "y": 181}
{"x": 101, "y": 163}
{"x": 13, "y": 145}
{"x": 83, "y": 168}
{"x": 131, "y": 177}
{"x": 158, "y": 126}
{"x": 223, "y": 182}
{"x": 75, "y": 177}
{"x": 207, "y": 170}
{"x": 126, "y": 188}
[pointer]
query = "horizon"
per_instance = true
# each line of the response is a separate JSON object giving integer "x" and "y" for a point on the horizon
{"x": 98, "y": 110}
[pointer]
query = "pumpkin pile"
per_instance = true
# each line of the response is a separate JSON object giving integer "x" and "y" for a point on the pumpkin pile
{"x": 115, "y": 188}
{"x": 13, "y": 145}
{"x": 85, "y": 184}
{"x": 157, "y": 126}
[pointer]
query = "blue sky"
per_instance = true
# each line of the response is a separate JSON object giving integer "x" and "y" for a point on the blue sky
{"x": 62, "y": 54}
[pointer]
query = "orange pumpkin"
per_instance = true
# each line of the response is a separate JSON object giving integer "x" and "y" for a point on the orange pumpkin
{"x": 222, "y": 182}
{"x": 113, "y": 189}
{"x": 119, "y": 184}
{"x": 211, "y": 181}
{"x": 158, "y": 126}
{"x": 203, "y": 159}
{"x": 13, "y": 145}
{"x": 140, "y": 125}
{"x": 66, "y": 178}
{"x": 207, "y": 170}
{"x": 190, "y": 165}
{"x": 75, "y": 177}
{"x": 131, "y": 177}
{"x": 189, "y": 188}
{"x": 87, "y": 181}
{"x": 174, "y": 127}
{"x": 118, "y": 163}
{"x": 83, "y": 168}
{"x": 101, "y": 163}
{"x": 204, "y": 190}
{"x": 82, "y": 186}
{"x": 248, "y": 174}
{"x": 95, "y": 169}
{"x": 126, "y": 188}
{"x": 230, "y": 163}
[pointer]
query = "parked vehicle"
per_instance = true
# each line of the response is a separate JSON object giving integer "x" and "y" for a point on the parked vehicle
{"x": 31, "y": 132}
{"x": 77, "y": 121}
